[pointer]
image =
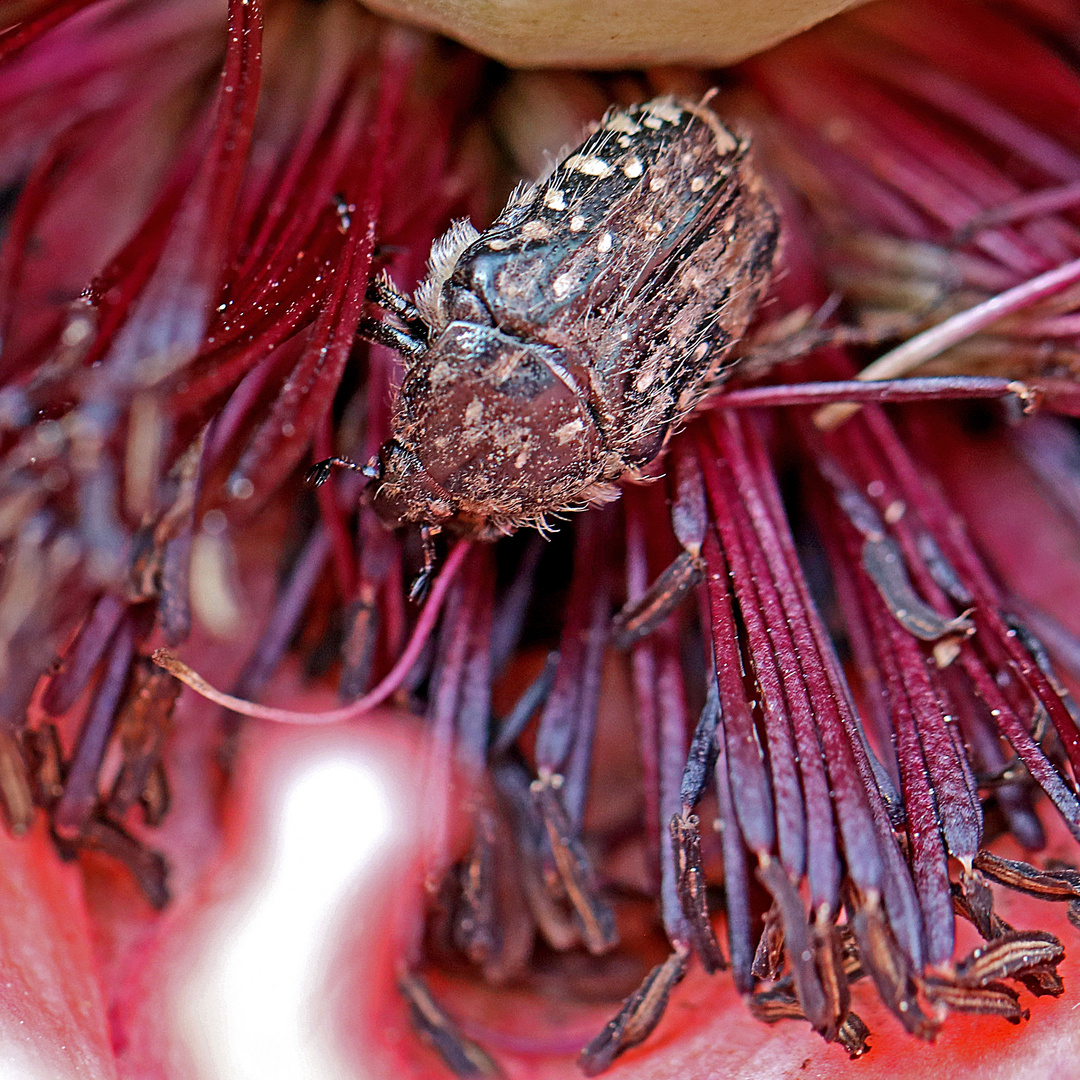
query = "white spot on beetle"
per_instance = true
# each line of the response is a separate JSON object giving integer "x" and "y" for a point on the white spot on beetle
{"x": 498, "y": 245}
{"x": 633, "y": 168}
{"x": 603, "y": 244}
{"x": 621, "y": 122}
{"x": 554, "y": 199}
{"x": 535, "y": 230}
{"x": 644, "y": 380}
{"x": 473, "y": 412}
{"x": 724, "y": 140}
{"x": 577, "y": 223}
{"x": 589, "y": 165}
{"x": 657, "y": 183}
{"x": 569, "y": 431}
{"x": 664, "y": 109}
{"x": 697, "y": 184}
{"x": 562, "y": 285}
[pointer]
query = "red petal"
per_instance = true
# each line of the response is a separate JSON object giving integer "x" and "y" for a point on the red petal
{"x": 52, "y": 1019}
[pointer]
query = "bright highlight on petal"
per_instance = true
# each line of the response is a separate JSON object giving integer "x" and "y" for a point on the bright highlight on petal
{"x": 254, "y": 1004}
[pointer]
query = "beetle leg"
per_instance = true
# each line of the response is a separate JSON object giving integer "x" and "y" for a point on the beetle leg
{"x": 319, "y": 473}
{"x": 384, "y": 333}
{"x": 382, "y": 291}
{"x": 423, "y": 579}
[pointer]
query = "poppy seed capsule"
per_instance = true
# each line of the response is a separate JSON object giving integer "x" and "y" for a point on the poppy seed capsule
{"x": 549, "y": 356}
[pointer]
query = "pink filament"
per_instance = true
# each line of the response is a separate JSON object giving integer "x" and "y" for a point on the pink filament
{"x": 365, "y": 704}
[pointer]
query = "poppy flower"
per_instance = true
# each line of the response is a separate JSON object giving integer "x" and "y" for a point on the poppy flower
{"x": 769, "y": 762}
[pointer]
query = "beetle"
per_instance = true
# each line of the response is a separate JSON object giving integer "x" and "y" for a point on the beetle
{"x": 551, "y": 355}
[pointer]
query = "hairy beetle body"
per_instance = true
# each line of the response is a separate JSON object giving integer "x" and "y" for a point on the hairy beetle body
{"x": 561, "y": 344}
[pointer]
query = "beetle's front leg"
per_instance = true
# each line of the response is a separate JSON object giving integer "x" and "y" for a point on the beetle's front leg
{"x": 319, "y": 473}
{"x": 393, "y": 337}
{"x": 383, "y": 292}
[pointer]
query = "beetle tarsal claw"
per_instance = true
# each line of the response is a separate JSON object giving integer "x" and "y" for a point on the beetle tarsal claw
{"x": 320, "y": 472}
